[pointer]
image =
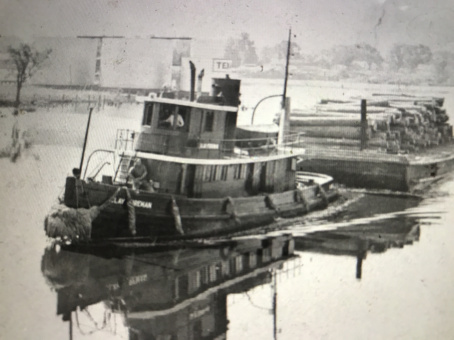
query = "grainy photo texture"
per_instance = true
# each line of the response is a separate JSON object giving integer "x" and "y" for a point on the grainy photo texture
{"x": 226, "y": 169}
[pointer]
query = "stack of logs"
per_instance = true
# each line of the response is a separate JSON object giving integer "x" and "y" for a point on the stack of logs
{"x": 395, "y": 123}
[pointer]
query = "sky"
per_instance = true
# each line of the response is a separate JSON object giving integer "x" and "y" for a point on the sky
{"x": 315, "y": 24}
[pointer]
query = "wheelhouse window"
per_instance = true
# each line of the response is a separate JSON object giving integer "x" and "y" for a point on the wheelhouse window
{"x": 209, "y": 121}
{"x": 172, "y": 117}
{"x": 184, "y": 113}
{"x": 148, "y": 115}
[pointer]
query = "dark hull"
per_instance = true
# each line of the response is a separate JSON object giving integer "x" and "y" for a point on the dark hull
{"x": 155, "y": 218}
{"x": 374, "y": 170}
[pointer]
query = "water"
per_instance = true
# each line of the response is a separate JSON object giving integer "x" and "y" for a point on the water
{"x": 380, "y": 267}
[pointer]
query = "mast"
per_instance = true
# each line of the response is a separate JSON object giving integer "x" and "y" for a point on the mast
{"x": 284, "y": 95}
{"x": 275, "y": 330}
{"x": 280, "y": 137}
{"x": 85, "y": 140}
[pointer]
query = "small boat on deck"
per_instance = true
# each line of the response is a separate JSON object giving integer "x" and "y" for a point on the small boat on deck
{"x": 199, "y": 180}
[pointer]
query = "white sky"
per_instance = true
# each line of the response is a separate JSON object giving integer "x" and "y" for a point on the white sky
{"x": 317, "y": 24}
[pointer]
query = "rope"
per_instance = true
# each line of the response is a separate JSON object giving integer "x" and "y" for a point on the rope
{"x": 323, "y": 194}
{"x": 84, "y": 192}
{"x": 176, "y": 216}
{"x": 270, "y": 204}
{"x": 61, "y": 196}
{"x": 77, "y": 195}
{"x": 231, "y": 211}
{"x": 131, "y": 212}
{"x": 301, "y": 198}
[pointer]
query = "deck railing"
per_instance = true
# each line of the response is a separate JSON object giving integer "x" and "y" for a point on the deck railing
{"x": 125, "y": 139}
{"x": 219, "y": 148}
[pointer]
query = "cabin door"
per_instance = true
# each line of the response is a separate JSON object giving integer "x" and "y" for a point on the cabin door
{"x": 190, "y": 174}
{"x": 262, "y": 185}
{"x": 250, "y": 179}
{"x": 267, "y": 177}
{"x": 229, "y": 130}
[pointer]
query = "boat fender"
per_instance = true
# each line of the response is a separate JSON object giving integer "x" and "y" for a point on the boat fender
{"x": 176, "y": 216}
{"x": 270, "y": 204}
{"x": 323, "y": 194}
{"x": 230, "y": 209}
{"x": 131, "y": 212}
{"x": 302, "y": 199}
{"x": 73, "y": 224}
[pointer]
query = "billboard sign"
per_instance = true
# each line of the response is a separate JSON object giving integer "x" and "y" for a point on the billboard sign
{"x": 222, "y": 65}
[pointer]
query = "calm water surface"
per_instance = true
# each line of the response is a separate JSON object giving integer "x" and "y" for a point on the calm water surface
{"x": 380, "y": 267}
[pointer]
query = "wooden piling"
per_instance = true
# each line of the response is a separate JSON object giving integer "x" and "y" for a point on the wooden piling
{"x": 363, "y": 124}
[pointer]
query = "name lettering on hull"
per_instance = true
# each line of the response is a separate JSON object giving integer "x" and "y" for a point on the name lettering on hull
{"x": 211, "y": 146}
{"x": 136, "y": 203}
{"x": 132, "y": 281}
{"x": 137, "y": 279}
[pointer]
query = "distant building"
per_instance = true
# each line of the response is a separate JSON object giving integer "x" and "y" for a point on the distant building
{"x": 105, "y": 61}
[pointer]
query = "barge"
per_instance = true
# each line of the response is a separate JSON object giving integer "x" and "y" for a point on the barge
{"x": 400, "y": 143}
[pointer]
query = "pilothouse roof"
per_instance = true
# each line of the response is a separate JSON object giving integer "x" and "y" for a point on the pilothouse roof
{"x": 197, "y": 105}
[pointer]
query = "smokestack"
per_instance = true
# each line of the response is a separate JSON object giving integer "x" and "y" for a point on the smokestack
{"x": 192, "y": 95}
{"x": 199, "y": 83}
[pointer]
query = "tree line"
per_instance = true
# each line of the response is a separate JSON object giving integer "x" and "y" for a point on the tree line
{"x": 401, "y": 57}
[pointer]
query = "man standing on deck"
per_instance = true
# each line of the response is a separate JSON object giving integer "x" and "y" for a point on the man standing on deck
{"x": 138, "y": 173}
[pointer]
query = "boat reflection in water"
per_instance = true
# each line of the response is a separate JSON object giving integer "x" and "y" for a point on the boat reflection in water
{"x": 358, "y": 240}
{"x": 179, "y": 293}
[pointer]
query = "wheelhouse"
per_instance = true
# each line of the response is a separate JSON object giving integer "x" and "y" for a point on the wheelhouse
{"x": 187, "y": 129}
{"x": 189, "y": 149}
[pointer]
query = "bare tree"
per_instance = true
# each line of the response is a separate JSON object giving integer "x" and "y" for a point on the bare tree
{"x": 27, "y": 61}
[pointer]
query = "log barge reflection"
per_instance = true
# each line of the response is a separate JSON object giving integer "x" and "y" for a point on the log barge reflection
{"x": 359, "y": 240}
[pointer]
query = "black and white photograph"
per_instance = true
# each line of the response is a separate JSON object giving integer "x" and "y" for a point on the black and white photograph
{"x": 226, "y": 170}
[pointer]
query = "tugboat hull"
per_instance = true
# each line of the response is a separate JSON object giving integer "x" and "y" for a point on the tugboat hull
{"x": 165, "y": 216}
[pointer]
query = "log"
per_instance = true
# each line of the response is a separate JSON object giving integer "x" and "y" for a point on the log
{"x": 331, "y": 131}
{"x": 344, "y": 108}
{"x": 398, "y": 123}
{"x": 435, "y": 101}
{"x": 327, "y": 121}
{"x": 371, "y": 143}
{"x": 336, "y": 101}
{"x": 372, "y": 102}
{"x": 303, "y": 112}
{"x": 330, "y": 141}
{"x": 406, "y": 106}
{"x": 411, "y": 98}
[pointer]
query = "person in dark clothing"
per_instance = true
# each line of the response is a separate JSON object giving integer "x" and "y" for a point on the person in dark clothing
{"x": 138, "y": 174}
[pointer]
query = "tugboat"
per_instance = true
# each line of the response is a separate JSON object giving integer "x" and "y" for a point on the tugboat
{"x": 192, "y": 173}
{"x": 184, "y": 175}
